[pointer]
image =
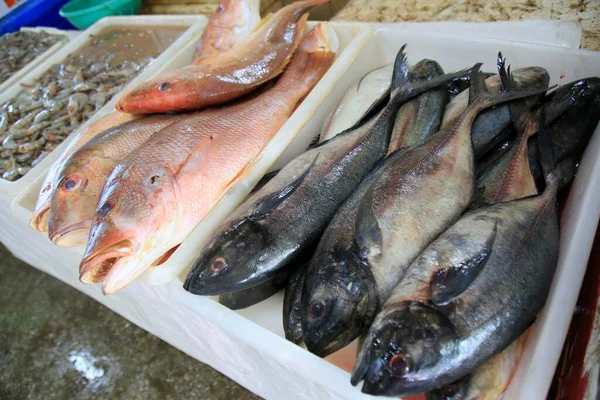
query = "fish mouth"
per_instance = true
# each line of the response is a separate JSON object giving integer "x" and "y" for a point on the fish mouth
{"x": 39, "y": 221}
{"x": 71, "y": 235}
{"x": 96, "y": 266}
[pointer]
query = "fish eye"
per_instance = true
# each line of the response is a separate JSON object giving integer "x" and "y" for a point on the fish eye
{"x": 106, "y": 208}
{"x": 400, "y": 364}
{"x": 71, "y": 183}
{"x": 218, "y": 265}
{"x": 163, "y": 87}
{"x": 316, "y": 309}
{"x": 220, "y": 8}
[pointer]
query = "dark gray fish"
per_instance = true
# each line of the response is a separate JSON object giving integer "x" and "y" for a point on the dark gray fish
{"x": 510, "y": 177}
{"x": 286, "y": 216}
{"x": 421, "y": 117}
{"x": 471, "y": 293}
{"x": 254, "y": 295}
{"x": 291, "y": 306}
{"x": 396, "y": 212}
{"x": 493, "y": 125}
{"x": 571, "y": 132}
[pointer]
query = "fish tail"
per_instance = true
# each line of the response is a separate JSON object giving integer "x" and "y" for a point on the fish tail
{"x": 313, "y": 58}
{"x": 486, "y": 100}
{"x": 410, "y": 90}
{"x": 401, "y": 69}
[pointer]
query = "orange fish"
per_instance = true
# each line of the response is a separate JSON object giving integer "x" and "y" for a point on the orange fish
{"x": 228, "y": 76}
{"x": 85, "y": 172}
{"x": 232, "y": 21}
{"x": 39, "y": 221}
{"x": 158, "y": 194}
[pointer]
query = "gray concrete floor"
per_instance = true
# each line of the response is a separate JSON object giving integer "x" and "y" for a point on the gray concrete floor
{"x": 56, "y": 343}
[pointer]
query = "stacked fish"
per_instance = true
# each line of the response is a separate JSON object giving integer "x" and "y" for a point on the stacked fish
{"x": 133, "y": 186}
{"x": 424, "y": 227}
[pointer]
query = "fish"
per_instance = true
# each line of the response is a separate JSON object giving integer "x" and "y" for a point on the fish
{"x": 287, "y": 216}
{"x": 253, "y": 61}
{"x": 510, "y": 176}
{"x": 571, "y": 132}
{"x": 421, "y": 117}
{"x": 158, "y": 194}
{"x": 41, "y": 212}
{"x": 232, "y": 21}
{"x": 85, "y": 172}
{"x": 409, "y": 199}
{"x": 254, "y": 295}
{"x": 467, "y": 296}
{"x": 489, "y": 381}
{"x": 358, "y": 101}
{"x": 491, "y": 126}
{"x": 292, "y": 326}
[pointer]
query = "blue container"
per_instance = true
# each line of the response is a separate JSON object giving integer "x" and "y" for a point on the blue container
{"x": 34, "y": 13}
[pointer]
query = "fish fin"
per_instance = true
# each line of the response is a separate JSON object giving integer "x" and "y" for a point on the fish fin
{"x": 368, "y": 233}
{"x": 518, "y": 109}
{"x": 447, "y": 283}
{"x": 271, "y": 201}
{"x": 401, "y": 69}
{"x": 477, "y": 84}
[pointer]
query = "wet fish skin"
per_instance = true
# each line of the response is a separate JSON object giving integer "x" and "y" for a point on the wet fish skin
{"x": 571, "y": 132}
{"x": 510, "y": 177}
{"x": 232, "y": 21}
{"x": 289, "y": 213}
{"x": 470, "y": 294}
{"x": 260, "y": 57}
{"x": 487, "y": 382}
{"x": 254, "y": 295}
{"x": 421, "y": 117}
{"x": 85, "y": 172}
{"x": 491, "y": 126}
{"x": 358, "y": 101}
{"x": 41, "y": 212}
{"x": 292, "y": 325}
{"x": 429, "y": 185}
{"x": 143, "y": 211}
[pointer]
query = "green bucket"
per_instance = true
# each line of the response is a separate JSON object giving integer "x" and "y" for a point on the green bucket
{"x": 84, "y": 13}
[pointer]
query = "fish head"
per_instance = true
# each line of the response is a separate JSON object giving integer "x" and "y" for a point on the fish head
{"x": 231, "y": 259}
{"x": 404, "y": 350}
{"x": 338, "y": 302}
{"x": 75, "y": 198}
{"x": 171, "y": 91}
{"x": 132, "y": 225}
{"x": 426, "y": 69}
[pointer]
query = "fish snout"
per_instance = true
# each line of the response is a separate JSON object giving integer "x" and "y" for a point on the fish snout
{"x": 71, "y": 235}
{"x": 39, "y": 221}
{"x": 98, "y": 263}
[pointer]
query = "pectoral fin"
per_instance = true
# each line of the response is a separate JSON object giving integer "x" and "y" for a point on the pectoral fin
{"x": 271, "y": 201}
{"x": 447, "y": 283}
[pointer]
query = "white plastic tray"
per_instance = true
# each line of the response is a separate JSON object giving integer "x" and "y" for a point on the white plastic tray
{"x": 195, "y": 25}
{"x": 248, "y": 345}
{"x": 17, "y": 76}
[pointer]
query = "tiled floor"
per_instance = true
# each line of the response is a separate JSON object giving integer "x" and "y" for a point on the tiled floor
{"x": 56, "y": 343}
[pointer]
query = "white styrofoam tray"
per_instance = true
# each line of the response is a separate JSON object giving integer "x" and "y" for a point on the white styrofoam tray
{"x": 248, "y": 345}
{"x": 194, "y": 24}
{"x": 305, "y": 120}
{"x": 18, "y": 75}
